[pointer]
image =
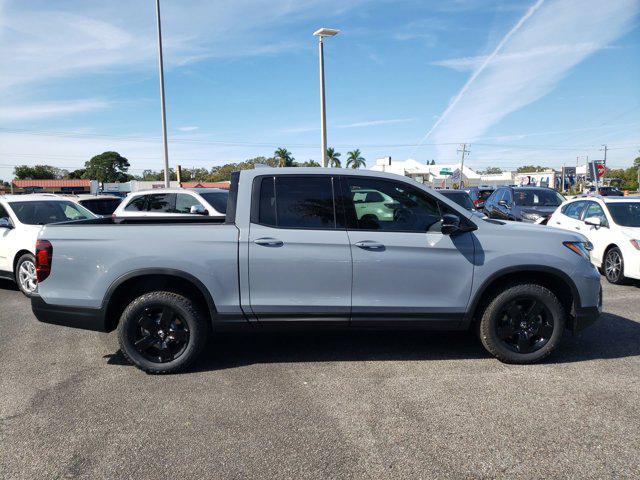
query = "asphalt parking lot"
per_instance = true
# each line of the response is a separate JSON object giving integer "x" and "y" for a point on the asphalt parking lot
{"x": 331, "y": 405}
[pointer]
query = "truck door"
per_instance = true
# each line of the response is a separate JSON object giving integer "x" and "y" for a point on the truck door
{"x": 404, "y": 268}
{"x": 299, "y": 254}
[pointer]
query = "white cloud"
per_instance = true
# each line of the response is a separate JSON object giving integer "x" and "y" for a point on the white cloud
{"x": 187, "y": 129}
{"x": 49, "y": 109}
{"x": 529, "y": 61}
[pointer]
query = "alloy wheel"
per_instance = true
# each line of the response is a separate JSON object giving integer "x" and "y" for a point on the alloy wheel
{"x": 27, "y": 276}
{"x": 613, "y": 265}
{"x": 161, "y": 334}
{"x": 525, "y": 325}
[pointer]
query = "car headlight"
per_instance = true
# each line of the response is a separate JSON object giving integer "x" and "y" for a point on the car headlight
{"x": 581, "y": 248}
{"x": 531, "y": 216}
{"x": 636, "y": 243}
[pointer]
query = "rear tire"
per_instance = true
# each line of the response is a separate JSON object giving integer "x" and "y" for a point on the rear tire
{"x": 25, "y": 275}
{"x": 613, "y": 266}
{"x": 162, "y": 332}
{"x": 522, "y": 324}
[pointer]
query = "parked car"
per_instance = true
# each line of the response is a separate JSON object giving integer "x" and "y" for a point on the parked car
{"x": 606, "y": 191}
{"x": 479, "y": 195}
{"x": 462, "y": 198}
{"x": 612, "y": 225}
{"x": 174, "y": 201}
{"x": 21, "y": 217}
{"x": 292, "y": 252}
{"x": 523, "y": 204}
{"x": 98, "y": 204}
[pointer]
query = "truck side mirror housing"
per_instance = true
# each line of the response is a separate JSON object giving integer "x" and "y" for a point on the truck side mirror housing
{"x": 198, "y": 210}
{"x": 503, "y": 203}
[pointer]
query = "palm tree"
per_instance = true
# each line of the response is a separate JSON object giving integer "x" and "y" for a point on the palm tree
{"x": 333, "y": 157}
{"x": 354, "y": 160}
{"x": 284, "y": 158}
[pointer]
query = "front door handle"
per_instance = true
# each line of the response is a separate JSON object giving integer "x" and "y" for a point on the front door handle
{"x": 369, "y": 245}
{"x": 268, "y": 242}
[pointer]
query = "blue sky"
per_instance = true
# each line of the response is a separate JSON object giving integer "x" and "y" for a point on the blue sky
{"x": 539, "y": 81}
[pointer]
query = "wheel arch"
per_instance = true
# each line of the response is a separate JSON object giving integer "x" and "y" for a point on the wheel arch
{"x": 133, "y": 284}
{"x": 552, "y": 278}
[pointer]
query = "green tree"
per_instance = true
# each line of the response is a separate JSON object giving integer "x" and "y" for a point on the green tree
{"x": 333, "y": 158}
{"x": 530, "y": 169}
{"x": 433, "y": 162}
{"x": 107, "y": 167}
{"x": 79, "y": 173}
{"x": 493, "y": 171}
{"x": 38, "y": 172}
{"x": 355, "y": 159}
{"x": 310, "y": 163}
{"x": 284, "y": 157}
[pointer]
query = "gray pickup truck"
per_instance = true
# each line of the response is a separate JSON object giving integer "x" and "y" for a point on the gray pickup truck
{"x": 301, "y": 247}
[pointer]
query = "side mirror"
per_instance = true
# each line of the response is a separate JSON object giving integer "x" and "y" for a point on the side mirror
{"x": 593, "y": 221}
{"x": 6, "y": 223}
{"x": 450, "y": 224}
{"x": 198, "y": 210}
{"x": 503, "y": 203}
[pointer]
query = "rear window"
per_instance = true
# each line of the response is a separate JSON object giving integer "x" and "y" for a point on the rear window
{"x": 45, "y": 212}
{"x": 626, "y": 214}
{"x": 98, "y": 206}
{"x": 217, "y": 200}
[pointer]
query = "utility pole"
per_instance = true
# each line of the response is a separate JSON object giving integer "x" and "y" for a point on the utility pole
{"x": 321, "y": 33}
{"x": 605, "y": 148}
{"x": 167, "y": 175}
{"x": 464, "y": 151}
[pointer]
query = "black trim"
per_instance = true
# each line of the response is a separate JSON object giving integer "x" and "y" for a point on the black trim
{"x": 232, "y": 199}
{"x": 522, "y": 269}
{"x": 7, "y": 275}
{"x": 74, "y": 317}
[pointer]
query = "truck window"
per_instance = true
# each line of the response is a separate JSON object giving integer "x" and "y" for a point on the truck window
{"x": 297, "y": 202}
{"x": 405, "y": 208}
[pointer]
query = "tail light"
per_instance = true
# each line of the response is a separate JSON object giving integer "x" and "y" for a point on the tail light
{"x": 44, "y": 255}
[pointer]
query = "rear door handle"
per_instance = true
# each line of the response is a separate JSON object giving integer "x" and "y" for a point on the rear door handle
{"x": 369, "y": 245}
{"x": 268, "y": 242}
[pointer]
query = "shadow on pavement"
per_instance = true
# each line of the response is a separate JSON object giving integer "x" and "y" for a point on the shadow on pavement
{"x": 611, "y": 337}
{"x": 8, "y": 285}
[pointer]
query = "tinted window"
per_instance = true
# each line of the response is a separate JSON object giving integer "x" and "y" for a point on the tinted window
{"x": 537, "y": 197}
{"x": 218, "y": 200}
{"x": 595, "y": 210}
{"x": 3, "y": 212}
{"x": 137, "y": 205}
{"x": 44, "y": 212}
{"x": 460, "y": 197}
{"x": 101, "y": 206}
{"x": 407, "y": 209}
{"x": 161, "y": 202}
{"x": 574, "y": 209}
{"x": 184, "y": 202}
{"x": 626, "y": 214}
{"x": 484, "y": 194}
{"x": 297, "y": 202}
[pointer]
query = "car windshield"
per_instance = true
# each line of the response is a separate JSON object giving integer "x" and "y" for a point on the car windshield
{"x": 626, "y": 214}
{"x": 101, "y": 206}
{"x": 49, "y": 211}
{"x": 461, "y": 198}
{"x": 217, "y": 200}
{"x": 537, "y": 198}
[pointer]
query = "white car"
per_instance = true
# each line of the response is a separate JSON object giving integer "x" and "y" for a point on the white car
{"x": 174, "y": 201}
{"x": 21, "y": 217}
{"x": 612, "y": 224}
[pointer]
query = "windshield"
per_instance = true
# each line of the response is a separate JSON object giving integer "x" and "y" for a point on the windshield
{"x": 537, "y": 198}
{"x": 461, "y": 198}
{"x": 104, "y": 206}
{"x": 49, "y": 211}
{"x": 626, "y": 214}
{"x": 218, "y": 200}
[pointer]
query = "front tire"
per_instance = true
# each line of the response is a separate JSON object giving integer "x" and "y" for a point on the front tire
{"x": 25, "y": 275}
{"x": 522, "y": 324}
{"x": 162, "y": 332}
{"x": 614, "y": 266}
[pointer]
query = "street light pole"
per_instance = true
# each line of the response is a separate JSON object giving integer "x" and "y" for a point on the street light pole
{"x": 323, "y": 32}
{"x": 167, "y": 176}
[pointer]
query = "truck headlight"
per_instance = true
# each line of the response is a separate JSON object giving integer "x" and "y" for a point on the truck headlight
{"x": 581, "y": 248}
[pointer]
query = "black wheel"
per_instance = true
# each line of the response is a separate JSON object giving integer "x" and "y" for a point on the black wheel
{"x": 25, "y": 275}
{"x": 162, "y": 332}
{"x": 614, "y": 266}
{"x": 522, "y": 324}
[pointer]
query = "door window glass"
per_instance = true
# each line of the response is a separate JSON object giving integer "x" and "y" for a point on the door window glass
{"x": 184, "y": 202}
{"x": 573, "y": 210}
{"x": 297, "y": 202}
{"x": 161, "y": 202}
{"x": 595, "y": 210}
{"x": 136, "y": 205}
{"x": 402, "y": 207}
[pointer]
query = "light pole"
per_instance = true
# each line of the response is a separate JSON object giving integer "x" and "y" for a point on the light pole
{"x": 321, "y": 33}
{"x": 167, "y": 177}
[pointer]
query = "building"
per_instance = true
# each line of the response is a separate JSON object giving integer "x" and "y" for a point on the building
{"x": 139, "y": 185}
{"x": 54, "y": 186}
{"x": 437, "y": 176}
